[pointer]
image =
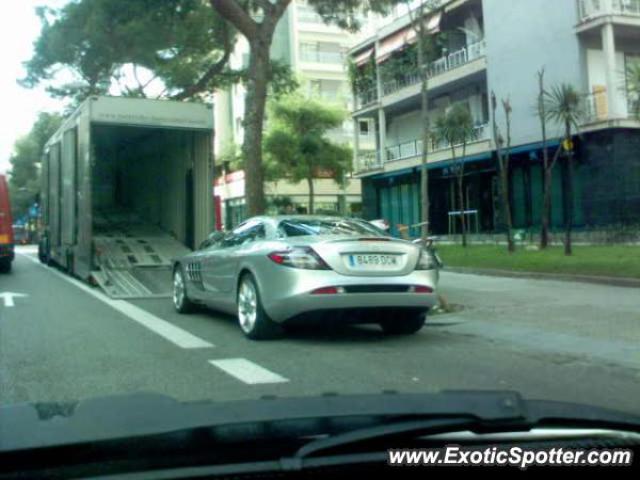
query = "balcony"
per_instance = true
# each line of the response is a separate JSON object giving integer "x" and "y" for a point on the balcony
{"x": 322, "y": 57}
{"x": 366, "y": 162}
{"x": 597, "y": 108}
{"x": 413, "y": 148}
{"x": 308, "y": 15}
{"x": 591, "y": 9}
{"x": 366, "y": 99}
{"x": 442, "y": 65}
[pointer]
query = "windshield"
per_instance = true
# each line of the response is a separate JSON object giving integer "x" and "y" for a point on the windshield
{"x": 219, "y": 201}
{"x": 294, "y": 227}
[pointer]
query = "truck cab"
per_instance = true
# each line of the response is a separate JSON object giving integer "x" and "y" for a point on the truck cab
{"x": 6, "y": 228}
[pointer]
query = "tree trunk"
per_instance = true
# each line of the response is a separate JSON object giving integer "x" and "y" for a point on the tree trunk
{"x": 460, "y": 178}
{"x": 546, "y": 187}
{"x": 311, "y": 196}
{"x": 546, "y": 209}
{"x": 506, "y": 208}
{"x": 569, "y": 217}
{"x": 259, "y": 68}
{"x": 463, "y": 223}
{"x": 424, "y": 120}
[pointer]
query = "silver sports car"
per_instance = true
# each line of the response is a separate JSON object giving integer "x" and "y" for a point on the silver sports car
{"x": 275, "y": 271}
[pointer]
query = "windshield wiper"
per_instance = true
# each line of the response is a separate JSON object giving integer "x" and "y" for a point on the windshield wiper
{"x": 394, "y": 431}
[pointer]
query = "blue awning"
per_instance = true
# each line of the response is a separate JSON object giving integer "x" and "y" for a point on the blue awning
{"x": 448, "y": 163}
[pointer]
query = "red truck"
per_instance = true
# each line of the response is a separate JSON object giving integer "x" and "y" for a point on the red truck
{"x": 6, "y": 228}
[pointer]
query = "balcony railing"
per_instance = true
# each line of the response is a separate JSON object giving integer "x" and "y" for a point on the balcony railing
{"x": 458, "y": 58}
{"x": 308, "y": 15}
{"x": 366, "y": 162}
{"x": 596, "y": 8}
{"x": 366, "y": 98}
{"x": 597, "y": 109}
{"x": 322, "y": 57}
{"x": 396, "y": 84}
{"x": 413, "y": 148}
{"x": 442, "y": 65}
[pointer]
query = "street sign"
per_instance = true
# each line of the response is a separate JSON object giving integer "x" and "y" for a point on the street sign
{"x": 567, "y": 145}
{"x": 9, "y": 296}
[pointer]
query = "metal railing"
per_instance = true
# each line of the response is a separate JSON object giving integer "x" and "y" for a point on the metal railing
{"x": 480, "y": 133}
{"x": 366, "y": 162}
{"x": 414, "y": 147}
{"x": 589, "y": 9}
{"x": 366, "y": 98}
{"x": 458, "y": 58}
{"x": 322, "y": 57}
{"x": 633, "y": 107}
{"x": 596, "y": 107}
{"x": 442, "y": 65}
{"x": 308, "y": 15}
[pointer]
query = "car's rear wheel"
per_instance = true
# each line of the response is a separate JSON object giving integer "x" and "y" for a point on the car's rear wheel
{"x": 181, "y": 301}
{"x": 399, "y": 323}
{"x": 253, "y": 320}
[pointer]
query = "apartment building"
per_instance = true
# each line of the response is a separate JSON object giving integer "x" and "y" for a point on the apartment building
{"x": 317, "y": 54}
{"x": 485, "y": 46}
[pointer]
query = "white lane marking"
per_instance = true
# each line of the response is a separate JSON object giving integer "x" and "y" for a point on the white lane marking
{"x": 9, "y": 296}
{"x": 247, "y": 372}
{"x": 170, "y": 332}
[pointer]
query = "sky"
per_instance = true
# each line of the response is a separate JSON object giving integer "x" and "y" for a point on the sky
{"x": 19, "y": 28}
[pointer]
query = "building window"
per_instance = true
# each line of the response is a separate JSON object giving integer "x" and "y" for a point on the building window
{"x": 363, "y": 128}
{"x": 322, "y": 52}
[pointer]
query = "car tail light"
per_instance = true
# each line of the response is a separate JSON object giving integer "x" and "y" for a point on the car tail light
{"x": 420, "y": 289}
{"x": 299, "y": 257}
{"x": 328, "y": 291}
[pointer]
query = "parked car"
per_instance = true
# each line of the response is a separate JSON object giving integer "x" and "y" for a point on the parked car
{"x": 274, "y": 271}
{"x": 6, "y": 228}
{"x": 20, "y": 235}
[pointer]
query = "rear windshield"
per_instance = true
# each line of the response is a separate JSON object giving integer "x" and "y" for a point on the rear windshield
{"x": 294, "y": 227}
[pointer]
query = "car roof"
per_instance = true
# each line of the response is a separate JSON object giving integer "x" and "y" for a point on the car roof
{"x": 279, "y": 218}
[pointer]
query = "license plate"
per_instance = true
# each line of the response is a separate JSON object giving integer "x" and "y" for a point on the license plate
{"x": 366, "y": 261}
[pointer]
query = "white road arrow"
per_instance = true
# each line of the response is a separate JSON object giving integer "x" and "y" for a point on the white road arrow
{"x": 9, "y": 296}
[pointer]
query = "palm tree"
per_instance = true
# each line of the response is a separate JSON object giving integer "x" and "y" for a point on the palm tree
{"x": 563, "y": 105}
{"x": 455, "y": 128}
{"x": 633, "y": 88}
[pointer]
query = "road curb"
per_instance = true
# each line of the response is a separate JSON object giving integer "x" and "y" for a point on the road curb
{"x": 612, "y": 281}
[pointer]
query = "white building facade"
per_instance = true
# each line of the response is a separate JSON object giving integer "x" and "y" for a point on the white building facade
{"x": 317, "y": 54}
{"x": 486, "y": 46}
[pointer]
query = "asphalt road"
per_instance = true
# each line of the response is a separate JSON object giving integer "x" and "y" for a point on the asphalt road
{"x": 549, "y": 340}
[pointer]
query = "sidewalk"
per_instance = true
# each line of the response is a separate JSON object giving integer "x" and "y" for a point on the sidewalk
{"x": 599, "y": 280}
{"x": 594, "y": 323}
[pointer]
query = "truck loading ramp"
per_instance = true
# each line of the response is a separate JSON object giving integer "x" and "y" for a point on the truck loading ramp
{"x": 134, "y": 258}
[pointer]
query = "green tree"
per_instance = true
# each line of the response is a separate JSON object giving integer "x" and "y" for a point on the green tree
{"x": 24, "y": 181}
{"x": 563, "y": 105}
{"x": 182, "y": 43}
{"x": 257, "y": 21}
{"x": 296, "y": 143}
{"x": 427, "y": 50}
{"x": 456, "y": 128}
